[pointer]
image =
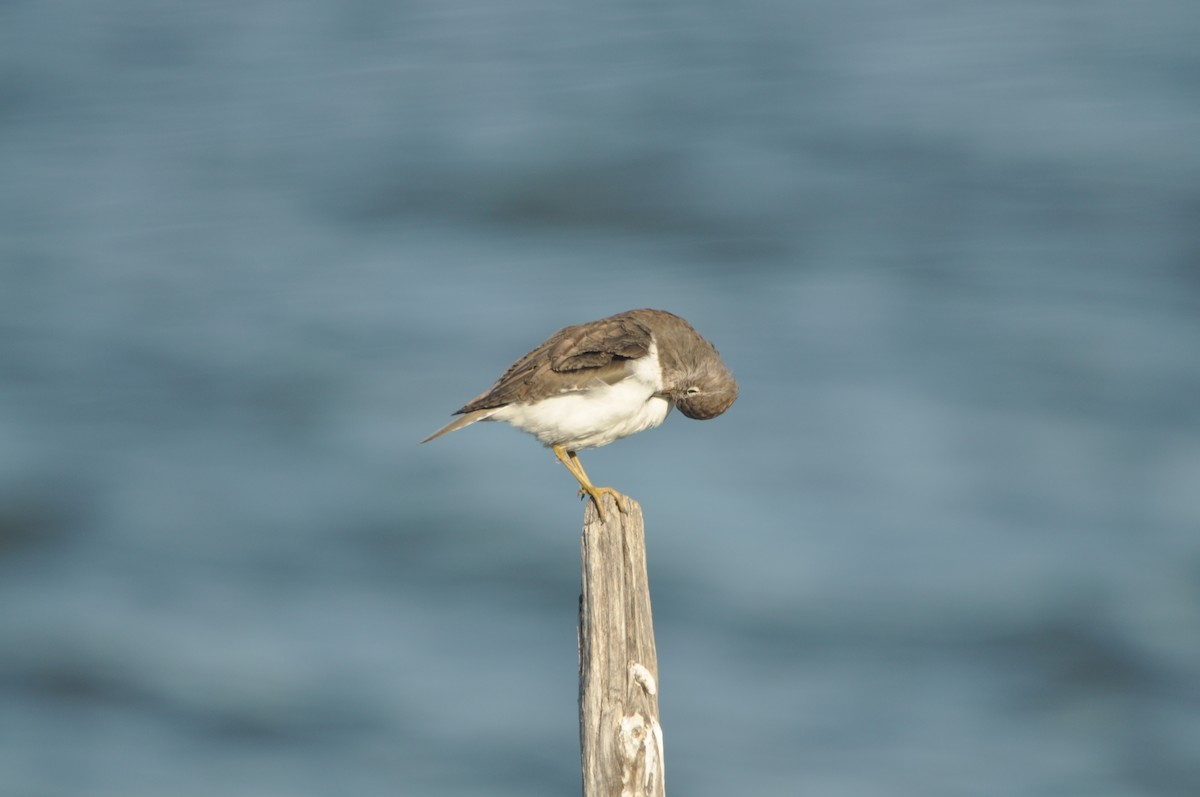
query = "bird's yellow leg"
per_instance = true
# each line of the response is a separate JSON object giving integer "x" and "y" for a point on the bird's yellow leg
{"x": 595, "y": 492}
{"x": 571, "y": 461}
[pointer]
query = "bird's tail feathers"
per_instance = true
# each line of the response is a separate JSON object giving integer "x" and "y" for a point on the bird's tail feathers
{"x": 465, "y": 420}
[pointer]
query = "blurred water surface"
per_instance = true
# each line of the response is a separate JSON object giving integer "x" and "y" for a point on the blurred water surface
{"x": 945, "y": 543}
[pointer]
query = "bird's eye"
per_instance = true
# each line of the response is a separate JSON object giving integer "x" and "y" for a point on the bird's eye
{"x": 691, "y": 391}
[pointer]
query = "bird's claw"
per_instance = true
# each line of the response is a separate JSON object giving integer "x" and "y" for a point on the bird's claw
{"x": 595, "y": 494}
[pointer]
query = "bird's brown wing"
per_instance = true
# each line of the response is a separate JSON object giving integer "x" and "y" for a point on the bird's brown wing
{"x": 574, "y": 358}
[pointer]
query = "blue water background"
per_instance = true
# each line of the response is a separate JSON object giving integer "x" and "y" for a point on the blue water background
{"x": 946, "y": 543}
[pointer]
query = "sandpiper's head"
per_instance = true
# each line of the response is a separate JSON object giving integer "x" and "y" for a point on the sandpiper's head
{"x": 705, "y": 389}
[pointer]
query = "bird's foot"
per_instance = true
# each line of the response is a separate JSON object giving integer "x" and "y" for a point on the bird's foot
{"x": 571, "y": 460}
{"x": 595, "y": 492}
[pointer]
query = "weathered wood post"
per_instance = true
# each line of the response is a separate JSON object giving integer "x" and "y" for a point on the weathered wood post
{"x": 619, "y": 734}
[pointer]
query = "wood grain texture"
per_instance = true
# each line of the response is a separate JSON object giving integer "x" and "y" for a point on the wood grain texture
{"x": 620, "y": 736}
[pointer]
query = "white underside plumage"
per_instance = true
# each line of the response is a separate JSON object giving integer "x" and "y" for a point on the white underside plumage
{"x": 595, "y": 416}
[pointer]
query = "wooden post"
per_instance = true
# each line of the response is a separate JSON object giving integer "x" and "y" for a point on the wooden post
{"x": 619, "y": 734}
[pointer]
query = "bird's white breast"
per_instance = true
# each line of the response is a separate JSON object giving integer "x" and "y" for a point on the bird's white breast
{"x": 598, "y": 415}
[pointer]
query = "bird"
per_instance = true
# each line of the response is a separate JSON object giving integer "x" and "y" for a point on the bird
{"x": 591, "y": 384}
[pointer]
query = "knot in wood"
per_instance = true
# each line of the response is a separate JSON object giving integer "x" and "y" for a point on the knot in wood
{"x": 633, "y": 737}
{"x": 641, "y": 750}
